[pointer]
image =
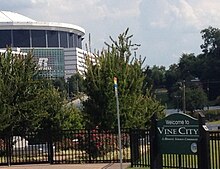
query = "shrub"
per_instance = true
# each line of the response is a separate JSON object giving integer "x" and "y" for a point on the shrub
{"x": 66, "y": 144}
{"x": 98, "y": 143}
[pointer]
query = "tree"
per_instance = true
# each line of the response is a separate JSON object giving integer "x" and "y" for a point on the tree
{"x": 70, "y": 117}
{"x": 75, "y": 85}
{"x": 172, "y": 76}
{"x": 209, "y": 61}
{"x": 158, "y": 76}
{"x": 60, "y": 85}
{"x": 26, "y": 100}
{"x": 211, "y": 37}
{"x": 188, "y": 66}
{"x": 196, "y": 99}
{"x": 135, "y": 108}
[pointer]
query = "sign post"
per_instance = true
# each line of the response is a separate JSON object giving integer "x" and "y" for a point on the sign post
{"x": 118, "y": 117}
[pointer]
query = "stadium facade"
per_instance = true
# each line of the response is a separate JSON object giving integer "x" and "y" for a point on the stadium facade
{"x": 57, "y": 47}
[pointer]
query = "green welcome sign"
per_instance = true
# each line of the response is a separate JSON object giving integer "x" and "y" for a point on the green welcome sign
{"x": 178, "y": 134}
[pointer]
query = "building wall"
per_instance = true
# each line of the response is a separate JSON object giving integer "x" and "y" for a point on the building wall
{"x": 39, "y": 38}
{"x": 74, "y": 61}
{"x": 49, "y": 48}
{"x": 50, "y": 61}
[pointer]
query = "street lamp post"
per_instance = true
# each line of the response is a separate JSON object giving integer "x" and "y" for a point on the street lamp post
{"x": 118, "y": 117}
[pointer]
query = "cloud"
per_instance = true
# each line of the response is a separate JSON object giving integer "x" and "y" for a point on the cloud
{"x": 82, "y": 11}
{"x": 164, "y": 28}
{"x": 170, "y": 14}
{"x": 171, "y": 28}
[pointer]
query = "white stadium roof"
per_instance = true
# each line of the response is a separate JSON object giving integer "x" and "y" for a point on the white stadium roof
{"x": 11, "y": 20}
{"x": 7, "y": 16}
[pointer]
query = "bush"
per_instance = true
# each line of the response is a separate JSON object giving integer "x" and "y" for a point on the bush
{"x": 66, "y": 144}
{"x": 97, "y": 143}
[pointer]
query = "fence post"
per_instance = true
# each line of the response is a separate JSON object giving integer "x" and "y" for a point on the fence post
{"x": 50, "y": 145}
{"x": 203, "y": 144}
{"x": 135, "y": 152}
{"x": 89, "y": 146}
{"x": 155, "y": 156}
{"x": 8, "y": 148}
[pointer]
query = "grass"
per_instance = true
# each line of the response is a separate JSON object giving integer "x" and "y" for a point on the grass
{"x": 66, "y": 155}
{"x": 214, "y": 122}
{"x": 192, "y": 161}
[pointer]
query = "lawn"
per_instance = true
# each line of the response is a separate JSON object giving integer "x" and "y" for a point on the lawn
{"x": 214, "y": 122}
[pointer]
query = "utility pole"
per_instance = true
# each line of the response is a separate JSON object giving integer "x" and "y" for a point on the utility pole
{"x": 184, "y": 96}
{"x": 208, "y": 95}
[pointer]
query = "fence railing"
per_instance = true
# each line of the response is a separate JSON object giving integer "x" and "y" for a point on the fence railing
{"x": 23, "y": 149}
{"x": 175, "y": 160}
{"x": 215, "y": 149}
{"x": 90, "y": 146}
{"x": 94, "y": 146}
{"x": 76, "y": 146}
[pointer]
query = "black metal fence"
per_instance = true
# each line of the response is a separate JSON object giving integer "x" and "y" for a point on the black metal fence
{"x": 76, "y": 146}
{"x": 140, "y": 153}
{"x": 90, "y": 146}
{"x": 23, "y": 149}
{"x": 140, "y": 157}
{"x": 94, "y": 146}
{"x": 140, "y": 148}
{"x": 215, "y": 149}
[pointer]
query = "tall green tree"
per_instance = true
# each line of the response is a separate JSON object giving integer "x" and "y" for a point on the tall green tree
{"x": 196, "y": 99}
{"x": 25, "y": 100}
{"x": 135, "y": 107}
{"x": 188, "y": 66}
{"x": 158, "y": 76}
{"x": 210, "y": 60}
{"x": 70, "y": 117}
{"x": 75, "y": 85}
{"x": 60, "y": 85}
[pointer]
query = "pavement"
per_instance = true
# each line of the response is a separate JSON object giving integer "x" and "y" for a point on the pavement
{"x": 69, "y": 166}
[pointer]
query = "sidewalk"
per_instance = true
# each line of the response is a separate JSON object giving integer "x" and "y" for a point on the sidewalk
{"x": 69, "y": 166}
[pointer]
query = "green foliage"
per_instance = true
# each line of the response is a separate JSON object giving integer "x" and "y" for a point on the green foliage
{"x": 70, "y": 117}
{"x": 75, "y": 85}
{"x": 187, "y": 67}
{"x": 50, "y": 103}
{"x": 196, "y": 99}
{"x": 98, "y": 143}
{"x": 26, "y": 101}
{"x": 209, "y": 61}
{"x": 60, "y": 85}
{"x": 172, "y": 76}
{"x": 211, "y": 37}
{"x": 157, "y": 74}
{"x": 135, "y": 107}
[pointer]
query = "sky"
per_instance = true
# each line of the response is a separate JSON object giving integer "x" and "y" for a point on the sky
{"x": 165, "y": 29}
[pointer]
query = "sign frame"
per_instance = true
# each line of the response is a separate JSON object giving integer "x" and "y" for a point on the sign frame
{"x": 175, "y": 130}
